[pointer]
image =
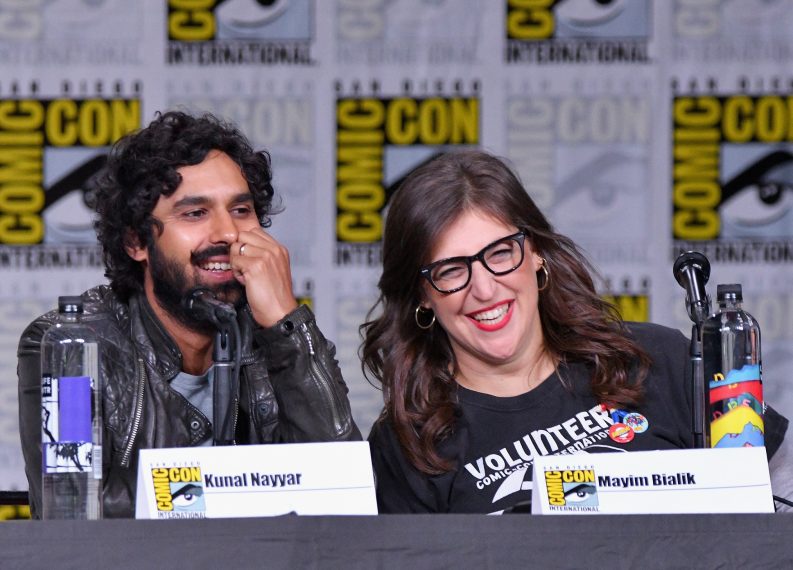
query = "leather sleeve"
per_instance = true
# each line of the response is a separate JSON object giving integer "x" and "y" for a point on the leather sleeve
{"x": 29, "y": 376}
{"x": 311, "y": 393}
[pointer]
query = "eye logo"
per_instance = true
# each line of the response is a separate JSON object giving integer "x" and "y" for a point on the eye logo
{"x": 581, "y": 494}
{"x": 759, "y": 198}
{"x": 247, "y": 14}
{"x": 264, "y": 19}
{"x": 588, "y": 14}
{"x": 187, "y": 497}
{"x": 606, "y": 186}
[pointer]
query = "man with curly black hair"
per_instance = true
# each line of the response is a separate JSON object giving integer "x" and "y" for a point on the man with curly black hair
{"x": 182, "y": 206}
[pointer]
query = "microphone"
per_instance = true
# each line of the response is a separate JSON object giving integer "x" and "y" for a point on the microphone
{"x": 202, "y": 304}
{"x": 692, "y": 271}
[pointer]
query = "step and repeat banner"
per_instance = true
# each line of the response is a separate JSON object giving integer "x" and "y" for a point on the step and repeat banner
{"x": 642, "y": 128}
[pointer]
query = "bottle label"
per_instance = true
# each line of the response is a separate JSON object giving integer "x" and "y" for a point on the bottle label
{"x": 736, "y": 408}
{"x": 66, "y": 424}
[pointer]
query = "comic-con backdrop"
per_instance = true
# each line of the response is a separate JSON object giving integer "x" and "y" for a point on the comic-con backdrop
{"x": 642, "y": 128}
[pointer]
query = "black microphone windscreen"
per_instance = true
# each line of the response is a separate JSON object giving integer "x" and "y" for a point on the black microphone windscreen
{"x": 690, "y": 259}
{"x": 204, "y": 305}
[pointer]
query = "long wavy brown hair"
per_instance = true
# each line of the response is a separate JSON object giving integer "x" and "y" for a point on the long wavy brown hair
{"x": 415, "y": 367}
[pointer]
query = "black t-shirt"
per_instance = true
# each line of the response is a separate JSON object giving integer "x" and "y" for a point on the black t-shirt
{"x": 496, "y": 439}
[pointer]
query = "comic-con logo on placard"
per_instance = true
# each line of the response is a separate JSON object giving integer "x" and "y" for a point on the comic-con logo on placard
{"x": 571, "y": 490}
{"x": 179, "y": 492}
{"x": 50, "y": 150}
{"x": 379, "y": 140}
{"x": 240, "y": 32}
{"x": 732, "y": 171}
{"x": 577, "y": 31}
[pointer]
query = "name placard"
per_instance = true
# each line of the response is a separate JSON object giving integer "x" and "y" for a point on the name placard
{"x": 730, "y": 480}
{"x": 256, "y": 480}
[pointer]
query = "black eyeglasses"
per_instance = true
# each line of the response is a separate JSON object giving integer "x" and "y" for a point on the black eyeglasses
{"x": 454, "y": 273}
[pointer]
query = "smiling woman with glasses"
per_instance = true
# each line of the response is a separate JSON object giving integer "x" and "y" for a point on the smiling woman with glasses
{"x": 492, "y": 346}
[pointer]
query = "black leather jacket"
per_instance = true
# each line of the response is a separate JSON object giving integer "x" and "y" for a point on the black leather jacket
{"x": 291, "y": 390}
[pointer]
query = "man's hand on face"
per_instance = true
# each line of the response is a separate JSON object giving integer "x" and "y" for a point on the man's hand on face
{"x": 263, "y": 268}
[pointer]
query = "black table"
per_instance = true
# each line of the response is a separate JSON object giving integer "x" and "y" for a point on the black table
{"x": 405, "y": 541}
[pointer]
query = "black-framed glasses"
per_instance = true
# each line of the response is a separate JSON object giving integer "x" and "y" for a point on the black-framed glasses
{"x": 454, "y": 273}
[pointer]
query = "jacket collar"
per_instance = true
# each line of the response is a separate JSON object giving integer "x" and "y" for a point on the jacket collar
{"x": 147, "y": 330}
{"x": 161, "y": 350}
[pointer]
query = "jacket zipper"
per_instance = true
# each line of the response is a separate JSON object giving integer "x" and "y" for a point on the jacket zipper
{"x": 238, "y": 374}
{"x": 324, "y": 382}
{"x": 234, "y": 423}
{"x": 137, "y": 416}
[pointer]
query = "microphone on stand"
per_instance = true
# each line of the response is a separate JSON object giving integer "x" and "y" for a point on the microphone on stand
{"x": 205, "y": 306}
{"x": 692, "y": 270}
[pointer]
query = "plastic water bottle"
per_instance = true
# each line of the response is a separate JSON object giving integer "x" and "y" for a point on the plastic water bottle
{"x": 71, "y": 433}
{"x": 733, "y": 375}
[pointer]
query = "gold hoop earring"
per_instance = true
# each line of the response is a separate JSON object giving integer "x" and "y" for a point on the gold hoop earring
{"x": 547, "y": 280}
{"x": 418, "y": 321}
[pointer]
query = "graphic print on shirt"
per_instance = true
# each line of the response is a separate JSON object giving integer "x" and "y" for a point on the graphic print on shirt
{"x": 509, "y": 470}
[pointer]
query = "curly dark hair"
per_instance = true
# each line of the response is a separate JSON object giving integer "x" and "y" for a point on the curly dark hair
{"x": 416, "y": 367}
{"x": 142, "y": 166}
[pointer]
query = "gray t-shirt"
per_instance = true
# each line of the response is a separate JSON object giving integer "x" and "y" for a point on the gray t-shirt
{"x": 198, "y": 391}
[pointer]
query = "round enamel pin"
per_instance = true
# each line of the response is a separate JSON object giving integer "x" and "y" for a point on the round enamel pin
{"x": 621, "y": 433}
{"x": 637, "y": 422}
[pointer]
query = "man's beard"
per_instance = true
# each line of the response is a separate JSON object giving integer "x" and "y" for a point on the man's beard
{"x": 171, "y": 284}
